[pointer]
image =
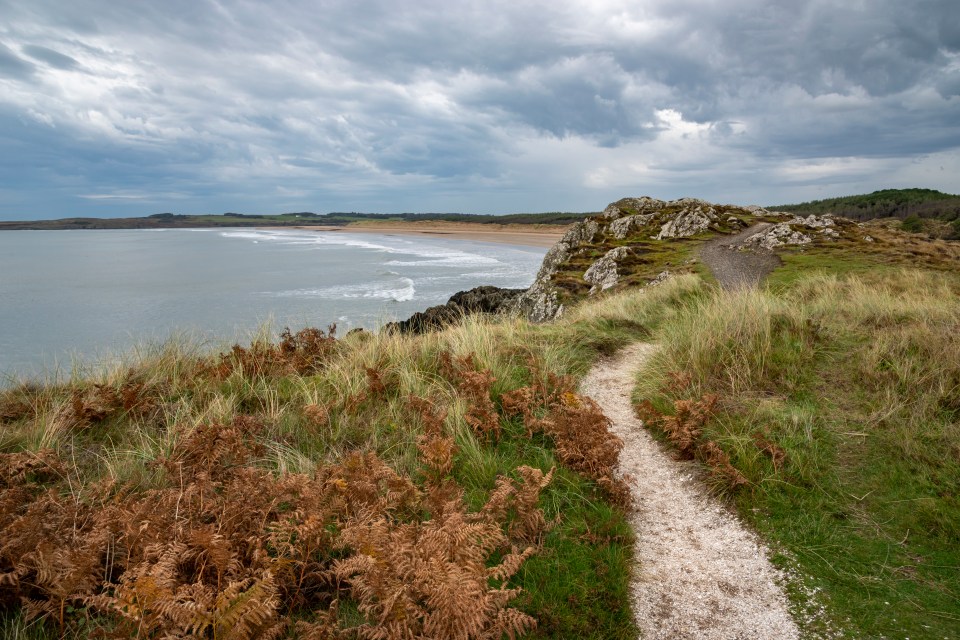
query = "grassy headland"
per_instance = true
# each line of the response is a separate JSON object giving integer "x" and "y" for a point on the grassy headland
{"x": 316, "y": 485}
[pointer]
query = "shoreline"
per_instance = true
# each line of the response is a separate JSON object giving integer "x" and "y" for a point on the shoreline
{"x": 516, "y": 234}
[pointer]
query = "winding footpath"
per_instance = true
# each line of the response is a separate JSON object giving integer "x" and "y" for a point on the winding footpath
{"x": 699, "y": 573}
{"x": 734, "y": 268}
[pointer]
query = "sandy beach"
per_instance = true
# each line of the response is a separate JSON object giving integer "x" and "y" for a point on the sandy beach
{"x": 522, "y": 234}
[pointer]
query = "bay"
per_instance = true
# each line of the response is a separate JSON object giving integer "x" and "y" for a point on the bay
{"x": 71, "y": 297}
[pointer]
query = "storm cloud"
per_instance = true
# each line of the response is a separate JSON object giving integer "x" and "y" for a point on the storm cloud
{"x": 204, "y": 106}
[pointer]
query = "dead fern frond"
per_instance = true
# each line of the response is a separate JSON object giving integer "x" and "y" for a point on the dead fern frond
{"x": 475, "y": 386}
{"x": 719, "y": 464}
{"x": 29, "y": 467}
{"x": 430, "y": 579}
{"x": 772, "y": 450}
{"x": 317, "y": 414}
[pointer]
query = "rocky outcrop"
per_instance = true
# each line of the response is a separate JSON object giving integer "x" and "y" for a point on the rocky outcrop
{"x": 541, "y": 301}
{"x": 695, "y": 217}
{"x": 795, "y": 231}
{"x": 645, "y": 204}
{"x": 622, "y": 245}
{"x": 777, "y": 236}
{"x": 603, "y": 274}
{"x": 626, "y": 220}
{"x": 486, "y": 299}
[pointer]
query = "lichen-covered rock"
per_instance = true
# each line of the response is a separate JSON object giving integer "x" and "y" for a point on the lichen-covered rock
{"x": 622, "y": 227}
{"x": 799, "y": 230}
{"x": 777, "y": 236}
{"x": 630, "y": 206}
{"x": 662, "y": 277}
{"x": 540, "y": 302}
{"x": 624, "y": 220}
{"x": 603, "y": 274}
{"x": 813, "y": 221}
{"x": 695, "y": 217}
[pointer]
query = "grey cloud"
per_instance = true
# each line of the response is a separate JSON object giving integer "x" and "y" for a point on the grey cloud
{"x": 949, "y": 85}
{"x": 371, "y": 95}
{"x": 13, "y": 66}
{"x": 53, "y": 58}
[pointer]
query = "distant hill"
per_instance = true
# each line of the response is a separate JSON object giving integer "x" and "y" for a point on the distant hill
{"x": 175, "y": 221}
{"x": 910, "y": 205}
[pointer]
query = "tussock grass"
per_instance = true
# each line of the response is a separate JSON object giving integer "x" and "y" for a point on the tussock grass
{"x": 856, "y": 380}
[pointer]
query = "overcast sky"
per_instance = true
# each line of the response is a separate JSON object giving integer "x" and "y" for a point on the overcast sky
{"x": 126, "y": 108}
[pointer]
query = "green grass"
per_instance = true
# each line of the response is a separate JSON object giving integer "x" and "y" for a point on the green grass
{"x": 857, "y": 379}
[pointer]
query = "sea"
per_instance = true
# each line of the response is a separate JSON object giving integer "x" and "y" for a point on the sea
{"x": 76, "y": 300}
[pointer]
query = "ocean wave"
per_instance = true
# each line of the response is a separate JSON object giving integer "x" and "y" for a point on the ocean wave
{"x": 302, "y": 238}
{"x": 458, "y": 260}
{"x": 429, "y": 254}
{"x": 400, "y": 290}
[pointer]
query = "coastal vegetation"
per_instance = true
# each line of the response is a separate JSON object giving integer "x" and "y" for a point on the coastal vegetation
{"x": 252, "y": 491}
{"x": 456, "y": 484}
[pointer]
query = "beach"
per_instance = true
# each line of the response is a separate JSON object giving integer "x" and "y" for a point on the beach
{"x": 518, "y": 234}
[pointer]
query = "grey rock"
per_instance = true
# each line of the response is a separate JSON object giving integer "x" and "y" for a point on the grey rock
{"x": 622, "y": 227}
{"x": 786, "y": 233}
{"x": 621, "y": 207}
{"x": 603, "y": 274}
{"x": 662, "y": 277}
{"x": 694, "y": 218}
{"x": 777, "y": 236}
{"x": 813, "y": 221}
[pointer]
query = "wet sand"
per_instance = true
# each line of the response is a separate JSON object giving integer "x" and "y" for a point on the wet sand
{"x": 532, "y": 235}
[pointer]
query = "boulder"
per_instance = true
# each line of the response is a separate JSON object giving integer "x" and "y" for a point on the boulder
{"x": 795, "y": 231}
{"x": 628, "y": 206}
{"x": 622, "y": 227}
{"x": 694, "y": 217}
{"x": 603, "y": 274}
{"x": 777, "y": 236}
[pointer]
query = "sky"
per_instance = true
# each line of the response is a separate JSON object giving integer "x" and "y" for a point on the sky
{"x": 206, "y": 106}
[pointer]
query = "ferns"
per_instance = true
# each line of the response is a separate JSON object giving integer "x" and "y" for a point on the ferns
{"x": 226, "y": 550}
{"x": 215, "y": 545}
{"x": 430, "y": 579}
{"x": 577, "y": 426}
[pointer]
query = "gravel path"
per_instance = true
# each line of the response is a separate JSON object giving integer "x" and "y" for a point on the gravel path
{"x": 700, "y": 574}
{"x": 733, "y": 268}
